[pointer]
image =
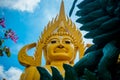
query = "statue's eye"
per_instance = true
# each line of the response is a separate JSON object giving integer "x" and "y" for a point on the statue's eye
{"x": 67, "y": 42}
{"x": 53, "y": 42}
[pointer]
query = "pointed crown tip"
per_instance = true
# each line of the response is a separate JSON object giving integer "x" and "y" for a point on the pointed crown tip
{"x": 62, "y": 10}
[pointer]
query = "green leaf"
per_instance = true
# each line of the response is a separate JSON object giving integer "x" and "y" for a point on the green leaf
{"x": 111, "y": 53}
{"x": 92, "y": 48}
{"x": 70, "y": 73}
{"x": 91, "y": 16}
{"x": 1, "y": 42}
{"x": 7, "y": 51}
{"x": 73, "y": 6}
{"x": 111, "y": 24}
{"x": 88, "y": 75}
{"x": 44, "y": 74}
{"x": 104, "y": 38}
{"x": 56, "y": 74}
{"x": 94, "y": 24}
{"x": 84, "y": 2}
{"x": 89, "y": 61}
{"x": 8, "y": 54}
{"x": 1, "y": 52}
{"x": 88, "y": 8}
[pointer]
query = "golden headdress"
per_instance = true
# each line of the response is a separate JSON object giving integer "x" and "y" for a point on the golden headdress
{"x": 61, "y": 25}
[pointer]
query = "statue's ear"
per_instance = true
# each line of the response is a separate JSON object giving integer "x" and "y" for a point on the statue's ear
{"x": 45, "y": 55}
{"x": 75, "y": 55}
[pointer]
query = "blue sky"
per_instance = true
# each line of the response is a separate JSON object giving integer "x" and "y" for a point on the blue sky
{"x": 28, "y": 19}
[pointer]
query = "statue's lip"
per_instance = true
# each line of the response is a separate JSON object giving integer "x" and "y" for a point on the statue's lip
{"x": 60, "y": 50}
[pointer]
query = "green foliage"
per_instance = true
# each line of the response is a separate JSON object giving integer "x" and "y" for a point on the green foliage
{"x": 101, "y": 18}
{"x": 70, "y": 73}
{"x": 44, "y": 74}
{"x": 72, "y": 7}
{"x": 94, "y": 24}
{"x": 110, "y": 56}
{"x": 90, "y": 60}
{"x": 5, "y": 34}
{"x": 56, "y": 74}
{"x": 4, "y": 49}
{"x": 88, "y": 75}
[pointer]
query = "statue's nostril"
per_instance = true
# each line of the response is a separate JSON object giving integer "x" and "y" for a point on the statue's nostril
{"x": 60, "y": 46}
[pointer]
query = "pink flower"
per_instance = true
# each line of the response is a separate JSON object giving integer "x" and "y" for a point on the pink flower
{"x": 2, "y": 22}
{"x": 11, "y": 34}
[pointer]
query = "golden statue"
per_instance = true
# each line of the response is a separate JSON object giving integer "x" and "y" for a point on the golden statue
{"x": 59, "y": 42}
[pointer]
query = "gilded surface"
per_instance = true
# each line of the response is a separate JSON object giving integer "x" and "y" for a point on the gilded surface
{"x": 59, "y": 41}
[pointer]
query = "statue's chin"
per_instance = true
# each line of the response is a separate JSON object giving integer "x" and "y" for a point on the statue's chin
{"x": 57, "y": 50}
{"x": 61, "y": 57}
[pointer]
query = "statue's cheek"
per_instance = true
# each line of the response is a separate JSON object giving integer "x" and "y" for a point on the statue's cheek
{"x": 70, "y": 48}
{"x": 51, "y": 47}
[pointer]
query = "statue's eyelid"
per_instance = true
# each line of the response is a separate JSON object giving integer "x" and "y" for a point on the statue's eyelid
{"x": 55, "y": 40}
{"x": 67, "y": 41}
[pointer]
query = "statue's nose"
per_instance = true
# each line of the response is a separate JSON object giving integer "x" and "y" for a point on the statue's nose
{"x": 60, "y": 46}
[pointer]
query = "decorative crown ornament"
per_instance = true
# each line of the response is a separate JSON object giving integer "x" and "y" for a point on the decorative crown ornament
{"x": 61, "y": 25}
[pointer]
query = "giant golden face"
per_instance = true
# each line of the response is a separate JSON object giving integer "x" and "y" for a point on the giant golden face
{"x": 60, "y": 48}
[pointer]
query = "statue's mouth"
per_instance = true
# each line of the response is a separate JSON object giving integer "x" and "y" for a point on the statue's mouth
{"x": 60, "y": 50}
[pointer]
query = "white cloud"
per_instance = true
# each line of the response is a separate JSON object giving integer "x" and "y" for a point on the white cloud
{"x": 2, "y": 75}
{"x": 13, "y": 73}
{"x": 22, "y": 5}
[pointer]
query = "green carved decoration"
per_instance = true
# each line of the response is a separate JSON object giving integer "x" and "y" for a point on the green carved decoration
{"x": 101, "y": 18}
